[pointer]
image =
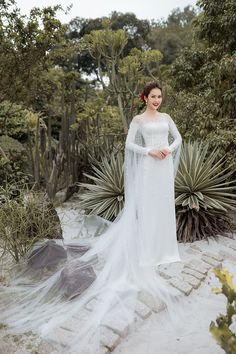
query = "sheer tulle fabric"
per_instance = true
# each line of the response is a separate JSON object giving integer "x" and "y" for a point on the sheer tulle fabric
{"x": 107, "y": 280}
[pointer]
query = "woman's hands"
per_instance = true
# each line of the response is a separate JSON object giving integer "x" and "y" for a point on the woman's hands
{"x": 160, "y": 153}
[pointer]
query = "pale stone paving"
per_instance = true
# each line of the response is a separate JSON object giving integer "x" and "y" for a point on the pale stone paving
{"x": 186, "y": 276}
{"x": 198, "y": 259}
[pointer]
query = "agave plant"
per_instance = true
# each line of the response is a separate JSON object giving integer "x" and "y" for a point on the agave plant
{"x": 204, "y": 196}
{"x": 105, "y": 196}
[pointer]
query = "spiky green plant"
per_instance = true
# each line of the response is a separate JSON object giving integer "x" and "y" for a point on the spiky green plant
{"x": 221, "y": 329}
{"x": 204, "y": 195}
{"x": 105, "y": 197}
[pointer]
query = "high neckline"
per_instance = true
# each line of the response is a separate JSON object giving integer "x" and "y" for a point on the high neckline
{"x": 153, "y": 119}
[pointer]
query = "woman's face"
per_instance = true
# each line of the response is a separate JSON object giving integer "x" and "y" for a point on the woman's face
{"x": 154, "y": 99}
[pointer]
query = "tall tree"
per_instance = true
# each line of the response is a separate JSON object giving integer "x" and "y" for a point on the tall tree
{"x": 204, "y": 78}
{"x": 125, "y": 74}
{"x": 172, "y": 35}
{"x": 24, "y": 47}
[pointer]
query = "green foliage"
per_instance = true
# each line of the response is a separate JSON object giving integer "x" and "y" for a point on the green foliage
{"x": 14, "y": 121}
{"x": 24, "y": 47}
{"x": 13, "y": 161}
{"x": 26, "y": 216}
{"x": 135, "y": 29}
{"x": 202, "y": 181}
{"x": 220, "y": 329}
{"x": 198, "y": 118}
{"x": 217, "y": 23}
{"x": 126, "y": 73}
{"x": 97, "y": 118}
{"x": 203, "y": 80}
{"x": 204, "y": 194}
{"x": 170, "y": 36}
{"x": 105, "y": 197}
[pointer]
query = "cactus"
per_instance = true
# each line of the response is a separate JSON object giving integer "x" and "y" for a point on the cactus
{"x": 220, "y": 329}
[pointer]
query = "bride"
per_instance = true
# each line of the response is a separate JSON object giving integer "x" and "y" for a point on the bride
{"x": 103, "y": 287}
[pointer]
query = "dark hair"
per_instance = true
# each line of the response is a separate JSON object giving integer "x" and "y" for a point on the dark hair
{"x": 151, "y": 85}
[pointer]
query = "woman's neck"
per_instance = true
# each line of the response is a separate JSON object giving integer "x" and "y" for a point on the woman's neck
{"x": 151, "y": 112}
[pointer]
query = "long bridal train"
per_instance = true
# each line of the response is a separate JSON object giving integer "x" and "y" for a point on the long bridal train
{"x": 97, "y": 283}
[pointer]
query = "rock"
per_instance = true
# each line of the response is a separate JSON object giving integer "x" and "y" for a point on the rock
{"x": 192, "y": 251}
{"x": 194, "y": 282}
{"x": 211, "y": 261}
{"x": 194, "y": 273}
{"x": 91, "y": 304}
{"x": 196, "y": 247}
{"x": 75, "y": 278}
{"x": 72, "y": 323}
{"x": 109, "y": 339}
{"x": 196, "y": 264}
{"x": 104, "y": 350}
{"x": 215, "y": 256}
{"x": 76, "y": 250}
{"x": 228, "y": 242}
{"x": 60, "y": 196}
{"x": 117, "y": 325}
{"x": 164, "y": 274}
{"x": 155, "y": 304}
{"x": 93, "y": 226}
{"x": 228, "y": 255}
{"x": 142, "y": 310}
{"x": 181, "y": 285}
{"x": 170, "y": 270}
{"x": 46, "y": 254}
{"x": 62, "y": 336}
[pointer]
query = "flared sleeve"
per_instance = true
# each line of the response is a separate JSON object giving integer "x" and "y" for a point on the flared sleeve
{"x": 175, "y": 134}
{"x": 133, "y": 140}
{"x": 175, "y": 146}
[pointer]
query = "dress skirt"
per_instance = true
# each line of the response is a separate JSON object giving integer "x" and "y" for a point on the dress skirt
{"x": 156, "y": 218}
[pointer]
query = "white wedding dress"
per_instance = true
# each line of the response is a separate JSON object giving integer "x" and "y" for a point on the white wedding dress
{"x": 124, "y": 257}
{"x": 156, "y": 202}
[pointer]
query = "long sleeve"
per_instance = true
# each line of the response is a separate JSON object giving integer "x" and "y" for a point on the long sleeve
{"x": 130, "y": 139}
{"x": 176, "y": 135}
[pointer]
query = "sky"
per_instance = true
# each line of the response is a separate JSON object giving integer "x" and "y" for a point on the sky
{"x": 151, "y": 9}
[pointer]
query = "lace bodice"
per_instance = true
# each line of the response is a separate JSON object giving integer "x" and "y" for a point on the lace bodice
{"x": 154, "y": 132}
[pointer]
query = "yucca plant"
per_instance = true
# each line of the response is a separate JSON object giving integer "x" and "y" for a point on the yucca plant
{"x": 105, "y": 196}
{"x": 204, "y": 195}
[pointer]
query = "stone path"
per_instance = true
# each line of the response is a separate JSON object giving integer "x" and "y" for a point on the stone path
{"x": 187, "y": 276}
{"x": 198, "y": 260}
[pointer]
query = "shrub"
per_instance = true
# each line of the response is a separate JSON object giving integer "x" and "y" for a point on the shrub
{"x": 26, "y": 216}
{"x": 13, "y": 161}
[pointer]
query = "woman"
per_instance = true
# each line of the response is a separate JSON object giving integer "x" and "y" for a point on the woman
{"x": 156, "y": 205}
{"x": 124, "y": 257}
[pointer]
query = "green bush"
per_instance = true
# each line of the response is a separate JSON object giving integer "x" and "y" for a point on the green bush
{"x": 14, "y": 121}
{"x": 26, "y": 216}
{"x": 13, "y": 161}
